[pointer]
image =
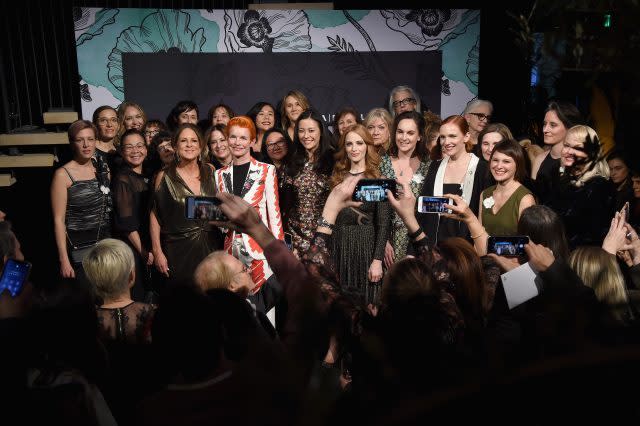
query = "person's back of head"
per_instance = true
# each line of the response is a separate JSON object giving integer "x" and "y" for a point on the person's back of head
{"x": 600, "y": 271}
{"x": 543, "y": 226}
{"x": 110, "y": 267}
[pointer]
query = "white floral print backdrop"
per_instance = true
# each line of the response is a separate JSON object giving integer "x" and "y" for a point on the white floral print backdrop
{"x": 102, "y": 35}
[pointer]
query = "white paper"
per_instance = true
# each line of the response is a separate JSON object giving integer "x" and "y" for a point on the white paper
{"x": 520, "y": 285}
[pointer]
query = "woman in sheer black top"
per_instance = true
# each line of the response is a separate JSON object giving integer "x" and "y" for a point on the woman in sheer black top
{"x": 131, "y": 192}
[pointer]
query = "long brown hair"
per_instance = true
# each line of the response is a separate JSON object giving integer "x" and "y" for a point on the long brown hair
{"x": 343, "y": 164}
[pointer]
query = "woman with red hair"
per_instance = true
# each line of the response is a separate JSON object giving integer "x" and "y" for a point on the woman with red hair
{"x": 458, "y": 172}
{"x": 257, "y": 184}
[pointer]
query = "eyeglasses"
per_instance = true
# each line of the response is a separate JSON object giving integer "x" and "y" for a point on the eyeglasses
{"x": 165, "y": 148}
{"x": 403, "y": 102}
{"x": 279, "y": 143}
{"x": 481, "y": 116}
{"x": 151, "y": 132}
{"x": 130, "y": 148}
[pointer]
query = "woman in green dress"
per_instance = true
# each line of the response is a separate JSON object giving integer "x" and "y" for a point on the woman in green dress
{"x": 407, "y": 162}
{"x": 179, "y": 244}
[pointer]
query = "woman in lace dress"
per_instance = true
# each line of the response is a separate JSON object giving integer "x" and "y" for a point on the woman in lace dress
{"x": 407, "y": 161}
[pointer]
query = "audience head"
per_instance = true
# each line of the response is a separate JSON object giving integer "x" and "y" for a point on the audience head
{"x": 582, "y": 155}
{"x": 275, "y": 146}
{"x": 406, "y": 279}
{"x": 379, "y": 124}
{"x": 454, "y": 135}
{"x": 408, "y": 135}
{"x": 221, "y": 114}
{"x": 432, "y": 130}
{"x": 600, "y": 271}
{"x": 635, "y": 182}
{"x": 152, "y": 128}
{"x": 82, "y": 137}
{"x": 490, "y": 136}
{"x": 131, "y": 116}
{"x": 263, "y": 115}
{"x": 346, "y": 117}
{"x": 105, "y": 118}
{"x": 558, "y": 118}
{"x": 403, "y": 99}
{"x": 355, "y": 146}
{"x": 507, "y": 161}
{"x": 543, "y": 226}
{"x": 183, "y": 112}
{"x": 110, "y": 268}
{"x": 293, "y": 104}
{"x": 220, "y": 270}
{"x": 9, "y": 244}
{"x": 478, "y": 115}
{"x": 216, "y": 137}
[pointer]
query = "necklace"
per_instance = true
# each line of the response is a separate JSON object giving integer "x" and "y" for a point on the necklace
{"x": 355, "y": 173}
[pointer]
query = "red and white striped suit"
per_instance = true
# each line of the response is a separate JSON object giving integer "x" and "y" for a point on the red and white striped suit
{"x": 260, "y": 190}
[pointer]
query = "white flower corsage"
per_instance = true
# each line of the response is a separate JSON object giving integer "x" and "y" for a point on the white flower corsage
{"x": 417, "y": 178}
{"x": 105, "y": 189}
{"x": 488, "y": 202}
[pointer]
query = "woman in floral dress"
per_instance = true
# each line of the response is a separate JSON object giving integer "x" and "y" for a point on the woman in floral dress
{"x": 407, "y": 162}
{"x": 308, "y": 177}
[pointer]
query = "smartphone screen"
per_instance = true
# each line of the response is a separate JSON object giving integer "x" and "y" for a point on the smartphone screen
{"x": 207, "y": 208}
{"x": 14, "y": 275}
{"x": 288, "y": 240}
{"x": 433, "y": 204}
{"x": 512, "y": 246}
{"x": 374, "y": 190}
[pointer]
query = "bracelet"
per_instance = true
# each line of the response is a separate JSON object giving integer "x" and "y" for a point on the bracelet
{"x": 479, "y": 235}
{"x": 325, "y": 224}
{"x": 415, "y": 234}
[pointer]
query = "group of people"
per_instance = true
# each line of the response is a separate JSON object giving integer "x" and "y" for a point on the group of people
{"x": 359, "y": 278}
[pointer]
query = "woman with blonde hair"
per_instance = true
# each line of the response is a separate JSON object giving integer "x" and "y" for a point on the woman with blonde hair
{"x": 131, "y": 116}
{"x": 600, "y": 271}
{"x": 292, "y": 105}
{"x": 584, "y": 197}
{"x": 379, "y": 122}
{"x": 360, "y": 234}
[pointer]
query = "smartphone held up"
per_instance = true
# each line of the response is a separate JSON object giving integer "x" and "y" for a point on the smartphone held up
{"x": 374, "y": 190}
{"x": 207, "y": 208}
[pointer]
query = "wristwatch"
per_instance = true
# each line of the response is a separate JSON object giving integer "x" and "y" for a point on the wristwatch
{"x": 323, "y": 222}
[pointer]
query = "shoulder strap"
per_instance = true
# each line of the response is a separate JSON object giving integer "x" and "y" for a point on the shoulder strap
{"x": 70, "y": 177}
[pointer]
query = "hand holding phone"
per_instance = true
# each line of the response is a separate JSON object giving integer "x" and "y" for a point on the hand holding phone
{"x": 14, "y": 276}
{"x": 508, "y": 246}
{"x": 205, "y": 208}
{"x": 374, "y": 190}
{"x": 433, "y": 204}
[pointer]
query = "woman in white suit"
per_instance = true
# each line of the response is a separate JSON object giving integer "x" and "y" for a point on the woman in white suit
{"x": 257, "y": 184}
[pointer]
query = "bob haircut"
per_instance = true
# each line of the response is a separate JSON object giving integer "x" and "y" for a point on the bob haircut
{"x": 595, "y": 164}
{"x": 384, "y": 115}
{"x": 344, "y": 111}
{"x": 411, "y": 92}
{"x": 79, "y": 125}
{"x": 511, "y": 148}
{"x": 421, "y": 147}
{"x": 499, "y": 128}
{"x": 213, "y": 272}
{"x": 304, "y": 104}
{"x": 371, "y": 159}
{"x": 109, "y": 266}
{"x": 544, "y": 226}
{"x": 243, "y": 122}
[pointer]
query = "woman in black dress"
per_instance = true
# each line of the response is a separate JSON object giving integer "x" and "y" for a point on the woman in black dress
{"x": 360, "y": 234}
{"x": 263, "y": 115}
{"x": 131, "y": 192}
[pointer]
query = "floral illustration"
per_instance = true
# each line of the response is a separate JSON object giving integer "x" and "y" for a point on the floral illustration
{"x": 89, "y": 23}
{"x": 84, "y": 92}
{"x": 266, "y": 30}
{"x": 423, "y": 27}
{"x": 472, "y": 63}
{"x": 161, "y": 31}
